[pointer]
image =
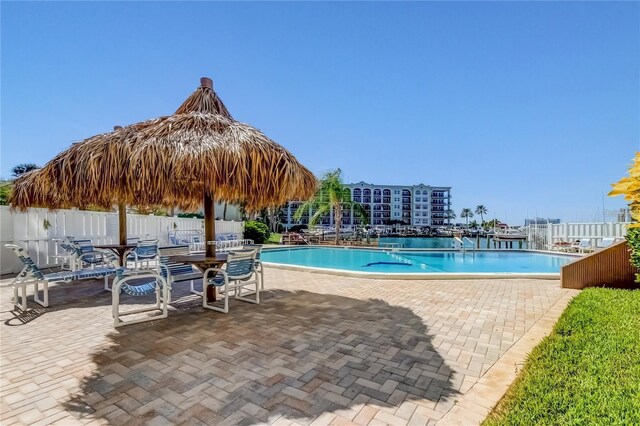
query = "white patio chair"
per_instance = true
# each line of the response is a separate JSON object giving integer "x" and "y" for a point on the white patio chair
{"x": 88, "y": 256}
{"x": 32, "y": 275}
{"x": 240, "y": 272}
{"x": 142, "y": 254}
{"x": 127, "y": 281}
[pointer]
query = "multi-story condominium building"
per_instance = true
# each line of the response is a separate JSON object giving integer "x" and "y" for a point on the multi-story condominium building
{"x": 416, "y": 205}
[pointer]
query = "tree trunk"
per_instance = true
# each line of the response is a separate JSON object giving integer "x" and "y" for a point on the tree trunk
{"x": 224, "y": 212}
{"x": 271, "y": 212}
{"x": 337, "y": 211}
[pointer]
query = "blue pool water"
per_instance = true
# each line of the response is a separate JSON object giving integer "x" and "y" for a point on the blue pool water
{"x": 363, "y": 260}
{"x": 435, "y": 242}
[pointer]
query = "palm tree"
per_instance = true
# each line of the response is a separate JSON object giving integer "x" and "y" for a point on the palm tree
{"x": 481, "y": 210}
{"x": 466, "y": 214}
{"x": 493, "y": 223}
{"x": 449, "y": 214}
{"x": 331, "y": 194}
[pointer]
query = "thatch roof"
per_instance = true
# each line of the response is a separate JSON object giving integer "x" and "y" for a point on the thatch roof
{"x": 171, "y": 161}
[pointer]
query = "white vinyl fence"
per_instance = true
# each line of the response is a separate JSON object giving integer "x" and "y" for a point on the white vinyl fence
{"x": 37, "y": 230}
{"x": 542, "y": 236}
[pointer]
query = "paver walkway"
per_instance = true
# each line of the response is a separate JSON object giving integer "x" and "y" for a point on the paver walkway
{"x": 319, "y": 349}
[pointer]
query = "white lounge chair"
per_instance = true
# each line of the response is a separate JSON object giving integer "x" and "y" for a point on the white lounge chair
{"x": 583, "y": 245}
{"x": 32, "y": 275}
{"x": 605, "y": 242}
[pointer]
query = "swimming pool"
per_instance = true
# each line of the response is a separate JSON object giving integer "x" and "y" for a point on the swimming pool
{"x": 418, "y": 262}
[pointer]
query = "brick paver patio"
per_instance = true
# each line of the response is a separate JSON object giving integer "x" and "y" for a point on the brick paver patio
{"x": 318, "y": 350}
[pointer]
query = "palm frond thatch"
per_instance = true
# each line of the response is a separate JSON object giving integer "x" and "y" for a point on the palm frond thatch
{"x": 171, "y": 161}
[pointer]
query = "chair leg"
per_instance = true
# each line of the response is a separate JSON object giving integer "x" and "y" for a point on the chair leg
{"x": 192, "y": 288}
{"x": 16, "y": 297}
{"x": 161, "y": 305}
{"x": 45, "y": 293}
{"x": 115, "y": 303}
{"x": 238, "y": 293}
{"x": 106, "y": 283}
{"x": 261, "y": 278}
{"x": 205, "y": 301}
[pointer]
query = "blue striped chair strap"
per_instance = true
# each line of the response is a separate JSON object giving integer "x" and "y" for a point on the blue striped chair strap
{"x": 139, "y": 289}
{"x": 144, "y": 252}
{"x": 176, "y": 269}
{"x": 240, "y": 266}
{"x": 180, "y": 269}
{"x": 217, "y": 280}
{"x": 94, "y": 258}
{"x": 80, "y": 274}
{"x": 32, "y": 268}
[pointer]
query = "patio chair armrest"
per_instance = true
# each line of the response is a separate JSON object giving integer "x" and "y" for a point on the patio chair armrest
{"x": 128, "y": 252}
{"x": 215, "y": 271}
{"x": 165, "y": 271}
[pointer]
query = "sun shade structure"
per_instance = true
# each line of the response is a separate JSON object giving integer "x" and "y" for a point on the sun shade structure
{"x": 188, "y": 159}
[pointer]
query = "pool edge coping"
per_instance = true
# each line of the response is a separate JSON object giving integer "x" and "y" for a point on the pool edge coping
{"x": 416, "y": 275}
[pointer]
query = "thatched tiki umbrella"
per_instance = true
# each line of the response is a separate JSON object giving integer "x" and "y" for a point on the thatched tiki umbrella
{"x": 71, "y": 179}
{"x": 193, "y": 157}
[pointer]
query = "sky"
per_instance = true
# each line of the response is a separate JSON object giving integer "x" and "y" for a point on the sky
{"x": 532, "y": 109}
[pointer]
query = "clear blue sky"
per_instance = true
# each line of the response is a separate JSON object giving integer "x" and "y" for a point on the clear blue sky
{"x": 524, "y": 107}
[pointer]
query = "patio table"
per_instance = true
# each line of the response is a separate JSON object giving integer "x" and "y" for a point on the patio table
{"x": 203, "y": 262}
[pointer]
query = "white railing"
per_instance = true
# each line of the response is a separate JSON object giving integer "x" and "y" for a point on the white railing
{"x": 28, "y": 230}
{"x": 540, "y": 237}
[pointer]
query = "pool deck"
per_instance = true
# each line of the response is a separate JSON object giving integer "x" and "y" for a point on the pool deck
{"x": 320, "y": 349}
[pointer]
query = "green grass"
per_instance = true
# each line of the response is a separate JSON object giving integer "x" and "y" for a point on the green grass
{"x": 275, "y": 238}
{"x": 587, "y": 372}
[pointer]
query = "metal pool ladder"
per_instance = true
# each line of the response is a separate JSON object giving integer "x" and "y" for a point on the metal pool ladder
{"x": 461, "y": 244}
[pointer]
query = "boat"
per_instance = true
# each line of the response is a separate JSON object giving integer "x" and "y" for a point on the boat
{"x": 509, "y": 234}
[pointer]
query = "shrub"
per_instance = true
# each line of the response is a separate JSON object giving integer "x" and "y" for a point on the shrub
{"x": 256, "y": 231}
{"x": 633, "y": 239}
{"x": 629, "y": 186}
{"x": 191, "y": 215}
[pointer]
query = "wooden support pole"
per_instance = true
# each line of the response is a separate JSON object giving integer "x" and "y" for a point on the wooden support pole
{"x": 209, "y": 225}
{"x": 122, "y": 224}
